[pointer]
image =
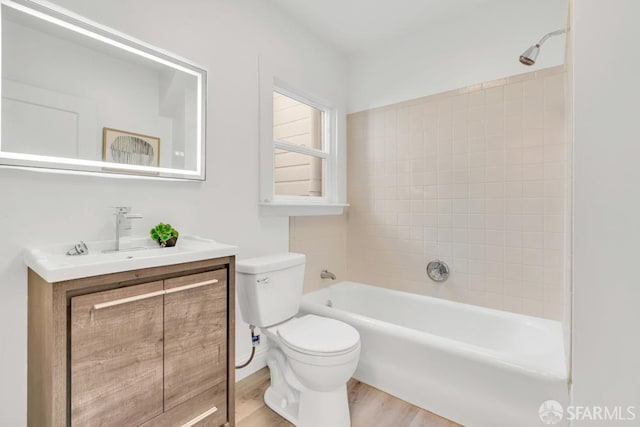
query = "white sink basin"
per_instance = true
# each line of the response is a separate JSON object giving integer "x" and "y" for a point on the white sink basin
{"x": 53, "y": 265}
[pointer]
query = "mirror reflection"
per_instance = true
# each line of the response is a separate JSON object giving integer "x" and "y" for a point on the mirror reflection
{"x": 73, "y": 98}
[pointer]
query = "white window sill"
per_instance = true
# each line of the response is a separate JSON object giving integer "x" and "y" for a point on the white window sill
{"x": 301, "y": 209}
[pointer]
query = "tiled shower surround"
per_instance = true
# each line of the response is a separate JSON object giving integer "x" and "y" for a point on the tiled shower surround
{"x": 475, "y": 177}
{"x": 323, "y": 239}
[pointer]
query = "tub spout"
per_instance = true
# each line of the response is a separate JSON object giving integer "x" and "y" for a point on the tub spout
{"x": 326, "y": 274}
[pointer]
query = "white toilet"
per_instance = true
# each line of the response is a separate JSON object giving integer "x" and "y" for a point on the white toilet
{"x": 310, "y": 358}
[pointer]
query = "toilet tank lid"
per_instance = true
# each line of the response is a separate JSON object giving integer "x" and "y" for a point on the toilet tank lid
{"x": 265, "y": 264}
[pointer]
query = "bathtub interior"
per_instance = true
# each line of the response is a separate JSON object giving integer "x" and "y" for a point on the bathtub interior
{"x": 528, "y": 342}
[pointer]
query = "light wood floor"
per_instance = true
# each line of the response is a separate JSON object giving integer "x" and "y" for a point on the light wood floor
{"x": 369, "y": 406}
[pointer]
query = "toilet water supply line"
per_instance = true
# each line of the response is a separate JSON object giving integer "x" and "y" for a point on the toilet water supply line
{"x": 255, "y": 341}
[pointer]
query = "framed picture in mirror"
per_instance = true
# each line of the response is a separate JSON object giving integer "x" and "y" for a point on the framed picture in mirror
{"x": 129, "y": 148}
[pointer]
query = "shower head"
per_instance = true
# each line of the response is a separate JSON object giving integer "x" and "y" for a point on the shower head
{"x": 530, "y": 55}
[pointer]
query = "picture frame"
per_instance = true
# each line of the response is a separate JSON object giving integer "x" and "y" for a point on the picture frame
{"x": 130, "y": 148}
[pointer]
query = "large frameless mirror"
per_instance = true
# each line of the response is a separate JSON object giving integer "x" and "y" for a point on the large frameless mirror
{"x": 79, "y": 96}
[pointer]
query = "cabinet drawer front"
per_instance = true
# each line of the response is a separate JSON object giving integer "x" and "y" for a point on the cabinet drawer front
{"x": 195, "y": 332}
{"x": 208, "y": 409}
{"x": 117, "y": 356}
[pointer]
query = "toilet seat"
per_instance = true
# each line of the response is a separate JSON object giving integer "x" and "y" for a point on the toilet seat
{"x": 319, "y": 336}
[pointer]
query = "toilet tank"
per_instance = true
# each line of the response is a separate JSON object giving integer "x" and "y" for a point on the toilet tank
{"x": 270, "y": 288}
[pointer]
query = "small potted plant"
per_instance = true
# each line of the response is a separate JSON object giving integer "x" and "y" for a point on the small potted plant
{"x": 164, "y": 234}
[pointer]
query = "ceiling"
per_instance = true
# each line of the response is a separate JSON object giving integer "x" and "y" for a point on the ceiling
{"x": 355, "y": 25}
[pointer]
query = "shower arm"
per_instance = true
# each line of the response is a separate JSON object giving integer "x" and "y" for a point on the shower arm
{"x": 551, "y": 34}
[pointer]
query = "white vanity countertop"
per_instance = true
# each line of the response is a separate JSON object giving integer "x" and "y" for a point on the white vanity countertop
{"x": 53, "y": 265}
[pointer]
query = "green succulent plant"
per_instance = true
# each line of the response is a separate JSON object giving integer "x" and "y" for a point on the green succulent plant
{"x": 162, "y": 233}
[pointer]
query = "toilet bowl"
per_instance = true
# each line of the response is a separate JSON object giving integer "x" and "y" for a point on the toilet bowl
{"x": 317, "y": 356}
{"x": 310, "y": 358}
{"x": 323, "y": 352}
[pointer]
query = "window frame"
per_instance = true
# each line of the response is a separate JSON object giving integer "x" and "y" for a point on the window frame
{"x": 324, "y": 153}
{"x": 274, "y": 205}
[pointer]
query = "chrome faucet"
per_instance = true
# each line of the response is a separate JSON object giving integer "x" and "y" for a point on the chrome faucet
{"x": 123, "y": 223}
{"x": 326, "y": 274}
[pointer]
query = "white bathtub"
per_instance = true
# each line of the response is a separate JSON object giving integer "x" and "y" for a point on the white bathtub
{"x": 474, "y": 365}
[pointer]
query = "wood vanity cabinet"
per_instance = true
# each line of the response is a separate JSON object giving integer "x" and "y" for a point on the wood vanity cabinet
{"x": 150, "y": 348}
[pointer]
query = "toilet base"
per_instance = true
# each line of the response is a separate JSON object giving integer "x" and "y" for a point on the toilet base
{"x": 316, "y": 409}
{"x": 324, "y": 409}
{"x": 279, "y": 404}
{"x": 299, "y": 405}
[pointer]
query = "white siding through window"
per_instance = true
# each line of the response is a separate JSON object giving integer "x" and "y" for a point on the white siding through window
{"x": 294, "y": 122}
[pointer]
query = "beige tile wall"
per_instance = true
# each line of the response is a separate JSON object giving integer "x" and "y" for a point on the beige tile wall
{"x": 324, "y": 240}
{"x": 475, "y": 177}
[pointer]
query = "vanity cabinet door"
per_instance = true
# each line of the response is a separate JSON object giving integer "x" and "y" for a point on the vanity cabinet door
{"x": 195, "y": 346}
{"x": 117, "y": 356}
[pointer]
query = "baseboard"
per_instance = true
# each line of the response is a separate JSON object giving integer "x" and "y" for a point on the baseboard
{"x": 259, "y": 361}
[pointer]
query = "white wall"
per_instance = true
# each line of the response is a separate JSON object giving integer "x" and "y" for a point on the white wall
{"x": 568, "y": 190}
{"x": 606, "y": 304}
{"x": 480, "y": 46}
{"x": 225, "y": 37}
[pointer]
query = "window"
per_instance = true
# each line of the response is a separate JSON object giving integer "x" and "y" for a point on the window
{"x": 299, "y": 168}
{"x": 299, "y": 151}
